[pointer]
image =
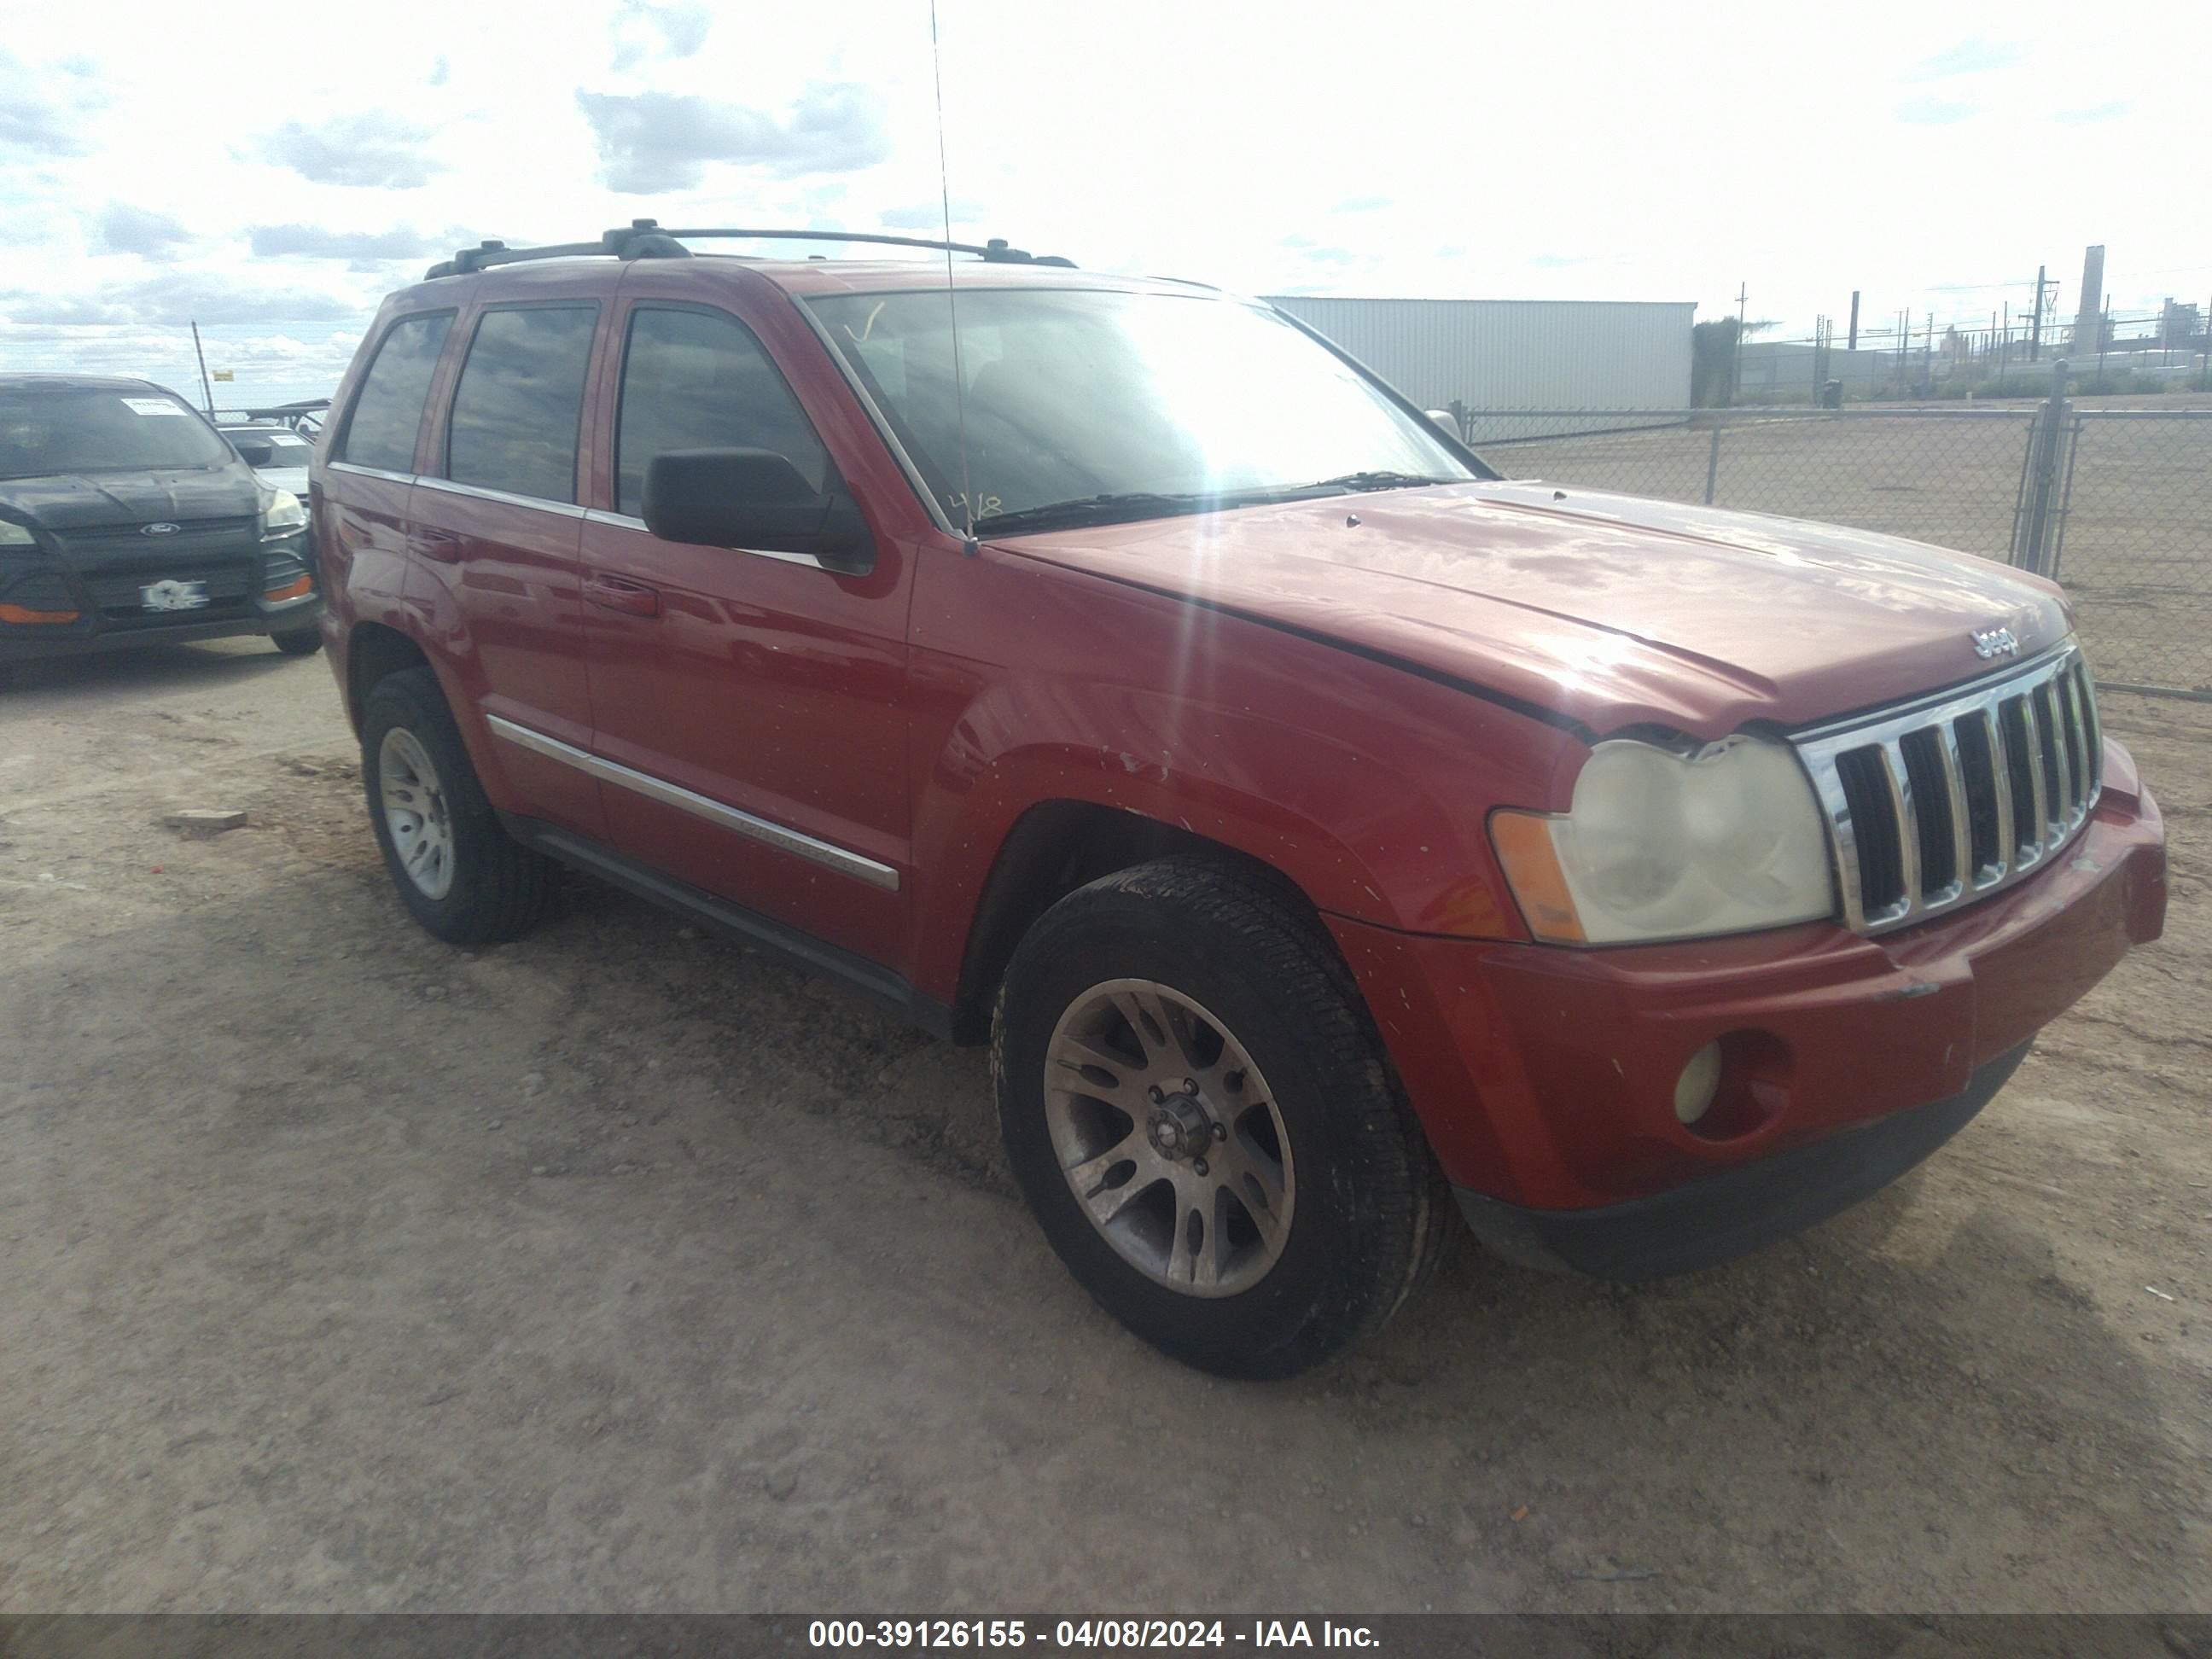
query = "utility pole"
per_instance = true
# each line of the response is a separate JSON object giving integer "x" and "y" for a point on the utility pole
{"x": 2035, "y": 326}
{"x": 1735, "y": 366}
{"x": 2004, "y": 352}
{"x": 207, "y": 391}
{"x": 1853, "y": 343}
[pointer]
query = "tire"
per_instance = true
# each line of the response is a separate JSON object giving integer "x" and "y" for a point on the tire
{"x": 472, "y": 883}
{"x": 305, "y": 642}
{"x": 1362, "y": 1213}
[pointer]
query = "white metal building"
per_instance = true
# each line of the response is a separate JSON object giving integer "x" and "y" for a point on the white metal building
{"x": 1515, "y": 353}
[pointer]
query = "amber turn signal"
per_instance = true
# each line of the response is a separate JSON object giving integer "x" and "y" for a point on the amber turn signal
{"x": 292, "y": 590}
{"x": 15, "y": 613}
{"x": 1523, "y": 840}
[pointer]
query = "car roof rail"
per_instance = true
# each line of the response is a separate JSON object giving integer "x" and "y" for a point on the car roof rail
{"x": 645, "y": 238}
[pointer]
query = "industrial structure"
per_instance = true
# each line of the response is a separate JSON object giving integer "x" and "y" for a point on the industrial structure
{"x": 1515, "y": 353}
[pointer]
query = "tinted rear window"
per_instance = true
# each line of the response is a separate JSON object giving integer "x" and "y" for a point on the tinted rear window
{"x": 389, "y": 411}
{"x": 517, "y": 409}
{"x": 44, "y": 429}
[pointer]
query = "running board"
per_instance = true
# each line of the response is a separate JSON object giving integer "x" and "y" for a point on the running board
{"x": 791, "y": 945}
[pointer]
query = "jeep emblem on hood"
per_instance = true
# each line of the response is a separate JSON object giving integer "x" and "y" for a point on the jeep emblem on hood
{"x": 1996, "y": 642}
{"x": 159, "y": 529}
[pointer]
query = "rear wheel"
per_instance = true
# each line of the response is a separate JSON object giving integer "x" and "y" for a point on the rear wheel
{"x": 463, "y": 877}
{"x": 302, "y": 642}
{"x": 1200, "y": 1114}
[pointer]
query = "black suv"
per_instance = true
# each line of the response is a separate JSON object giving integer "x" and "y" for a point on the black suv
{"x": 126, "y": 518}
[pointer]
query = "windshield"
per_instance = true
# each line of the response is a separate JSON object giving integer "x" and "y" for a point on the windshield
{"x": 46, "y": 430}
{"x": 1075, "y": 395}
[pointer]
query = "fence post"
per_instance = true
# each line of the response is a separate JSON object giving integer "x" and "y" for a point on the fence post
{"x": 1712, "y": 463}
{"x": 2033, "y": 552}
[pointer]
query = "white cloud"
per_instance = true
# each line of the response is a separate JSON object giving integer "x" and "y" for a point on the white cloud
{"x": 651, "y": 142}
{"x": 373, "y": 148}
{"x": 127, "y": 229}
{"x": 1413, "y": 148}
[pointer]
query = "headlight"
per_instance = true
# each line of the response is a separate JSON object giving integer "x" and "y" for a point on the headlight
{"x": 14, "y": 535}
{"x": 1660, "y": 846}
{"x": 281, "y": 515}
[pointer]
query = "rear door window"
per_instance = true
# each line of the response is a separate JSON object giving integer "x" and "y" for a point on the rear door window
{"x": 698, "y": 380}
{"x": 388, "y": 413}
{"x": 517, "y": 409}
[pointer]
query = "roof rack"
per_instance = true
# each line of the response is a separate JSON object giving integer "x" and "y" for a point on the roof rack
{"x": 645, "y": 238}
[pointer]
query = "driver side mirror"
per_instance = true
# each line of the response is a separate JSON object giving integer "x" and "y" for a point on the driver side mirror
{"x": 754, "y": 498}
{"x": 1445, "y": 422}
{"x": 254, "y": 451}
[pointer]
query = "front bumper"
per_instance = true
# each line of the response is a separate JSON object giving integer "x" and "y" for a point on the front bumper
{"x": 1544, "y": 1076}
{"x": 46, "y": 644}
{"x": 242, "y": 604}
{"x": 1736, "y": 1210}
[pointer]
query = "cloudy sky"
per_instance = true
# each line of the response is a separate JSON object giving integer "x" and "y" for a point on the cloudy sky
{"x": 271, "y": 171}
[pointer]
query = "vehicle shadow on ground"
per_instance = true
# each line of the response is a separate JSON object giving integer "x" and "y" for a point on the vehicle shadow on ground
{"x": 152, "y": 668}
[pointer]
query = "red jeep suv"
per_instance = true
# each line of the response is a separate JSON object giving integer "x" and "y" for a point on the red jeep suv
{"x": 1326, "y": 833}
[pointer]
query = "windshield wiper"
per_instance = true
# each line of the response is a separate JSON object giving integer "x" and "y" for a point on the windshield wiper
{"x": 1378, "y": 480}
{"x": 1119, "y": 506}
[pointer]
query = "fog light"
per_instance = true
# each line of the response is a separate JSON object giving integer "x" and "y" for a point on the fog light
{"x": 1699, "y": 1082}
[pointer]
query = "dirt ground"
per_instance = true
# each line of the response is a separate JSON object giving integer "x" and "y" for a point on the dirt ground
{"x": 618, "y": 1269}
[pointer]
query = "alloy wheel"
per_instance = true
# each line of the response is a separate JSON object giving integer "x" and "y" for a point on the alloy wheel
{"x": 416, "y": 812}
{"x": 1170, "y": 1138}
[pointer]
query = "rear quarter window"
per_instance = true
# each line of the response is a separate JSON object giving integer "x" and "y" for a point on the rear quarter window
{"x": 388, "y": 412}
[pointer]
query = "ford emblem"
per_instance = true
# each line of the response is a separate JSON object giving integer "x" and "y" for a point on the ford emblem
{"x": 1996, "y": 642}
{"x": 159, "y": 529}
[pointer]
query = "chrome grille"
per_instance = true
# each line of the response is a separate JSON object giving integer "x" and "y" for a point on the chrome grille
{"x": 1943, "y": 802}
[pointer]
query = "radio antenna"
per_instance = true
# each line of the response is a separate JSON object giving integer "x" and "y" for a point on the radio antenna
{"x": 969, "y": 543}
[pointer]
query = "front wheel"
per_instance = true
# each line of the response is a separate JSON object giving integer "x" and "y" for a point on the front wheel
{"x": 1201, "y": 1117}
{"x": 301, "y": 642}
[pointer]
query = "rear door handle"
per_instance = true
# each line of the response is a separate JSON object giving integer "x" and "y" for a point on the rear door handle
{"x": 614, "y": 593}
{"x": 442, "y": 546}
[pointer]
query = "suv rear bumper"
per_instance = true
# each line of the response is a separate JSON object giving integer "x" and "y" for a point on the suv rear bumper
{"x": 1546, "y": 1077}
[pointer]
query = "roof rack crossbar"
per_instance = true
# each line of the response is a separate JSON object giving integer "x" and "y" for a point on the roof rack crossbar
{"x": 645, "y": 239}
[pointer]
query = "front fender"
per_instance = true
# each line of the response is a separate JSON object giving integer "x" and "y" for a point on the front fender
{"x": 1367, "y": 787}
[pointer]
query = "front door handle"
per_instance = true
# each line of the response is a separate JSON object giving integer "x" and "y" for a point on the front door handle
{"x": 614, "y": 593}
{"x": 440, "y": 546}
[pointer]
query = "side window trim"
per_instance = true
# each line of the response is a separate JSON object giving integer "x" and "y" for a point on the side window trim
{"x": 625, "y": 521}
{"x": 344, "y": 437}
{"x": 638, "y": 308}
{"x": 443, "y": 478}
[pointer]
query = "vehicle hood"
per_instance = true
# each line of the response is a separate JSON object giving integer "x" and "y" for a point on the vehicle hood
{"x": 1611, "y": 610}
{"x": 79, "y": 500}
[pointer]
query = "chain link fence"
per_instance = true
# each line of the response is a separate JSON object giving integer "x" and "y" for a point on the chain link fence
{"x": 2132, "y": 542}
{"x": 2117, "y": 504}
